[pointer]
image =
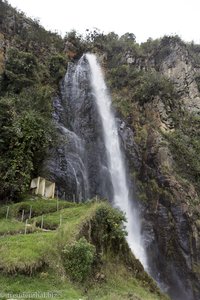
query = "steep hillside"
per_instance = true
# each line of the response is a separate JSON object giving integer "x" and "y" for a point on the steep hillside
{"x": 71, "y": 251}
{"x": 31, "y": 65}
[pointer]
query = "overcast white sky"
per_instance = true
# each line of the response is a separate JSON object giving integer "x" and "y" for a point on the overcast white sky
{"x": 144, "y": 18}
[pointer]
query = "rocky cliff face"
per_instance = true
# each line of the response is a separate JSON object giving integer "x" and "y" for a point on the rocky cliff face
{"x": 179, "y": 68}
{"x": 167, "y": 198}
{"x": 170, "y": 211}
{"x": 78, "y": 164}
{"x": 170, "y": 220}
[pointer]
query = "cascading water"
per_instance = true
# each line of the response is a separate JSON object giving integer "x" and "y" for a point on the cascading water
{"x": 89, "y": 162}
{"x": 115, "y": 159}
{"x": 82, "y": 118}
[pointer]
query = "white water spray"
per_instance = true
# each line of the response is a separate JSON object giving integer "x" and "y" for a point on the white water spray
{"x": 115, "y": 160}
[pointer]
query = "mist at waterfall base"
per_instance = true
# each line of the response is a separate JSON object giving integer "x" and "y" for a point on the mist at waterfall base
{"x": 116, "y": 165}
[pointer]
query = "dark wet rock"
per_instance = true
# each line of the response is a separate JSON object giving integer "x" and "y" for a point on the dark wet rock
{"x": 178, "y": 67}
{"x": 168, "y": 261}
{"x": 78, "y": 164}
{"x": 129, "y": 145}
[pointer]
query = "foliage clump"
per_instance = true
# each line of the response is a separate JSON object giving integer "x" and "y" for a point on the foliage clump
{"x": 57, "y": 67}
{"x": 185, "y": 146}
{"x": 23, "y": 140}
{"x": 151, "y": 84}
{"x": 78, "y": 259}
{"x": 21, "y": 70}
{"x": 108, "y": 228}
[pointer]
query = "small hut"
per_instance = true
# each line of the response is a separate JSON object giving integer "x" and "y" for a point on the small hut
{"x": 43, "y": 187}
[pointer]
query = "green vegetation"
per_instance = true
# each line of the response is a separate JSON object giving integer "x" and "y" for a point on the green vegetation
{"x": 57, "y": 67}
{"x": 33, "y": 67}
{"x": 37, "y": 205}
{"x": 25, "y": 253}
{"x": 128, "y": 73}
{"x": 12, "y": 227}
{"x": 72, "y": 260}
{"x": 119, "y": 284}
{"x": 185, "y": 146}
{"x": 78, "y": 259}
{"x": 152, "y": 84}
{"x": 108, "y": 229}
{"x": 21, "y": 70}
{"x": 138, "y": 86}
{"x": 24, "y": 137}
{"x": 43, "y": 282}
{"x": 80, "y": 250}
{"x": 53, "y": 220}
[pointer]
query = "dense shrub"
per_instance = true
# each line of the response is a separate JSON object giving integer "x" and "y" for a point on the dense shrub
{"x": 21, "y": 70}
{"x": 109, "y": 228}
{"x": 78, "y": 259}
{"x": 123, "y": 76}
{"x": 152, "y": 84}
{"x": 113, "y": 220}
{"x": 24, "y": 136}
{"x": 185, "y": 146}
{"x": 57, "y": 67}
{"x": 37, "y": 98}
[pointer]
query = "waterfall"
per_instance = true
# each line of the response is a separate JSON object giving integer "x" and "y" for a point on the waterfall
{"x": 121, "y": 197}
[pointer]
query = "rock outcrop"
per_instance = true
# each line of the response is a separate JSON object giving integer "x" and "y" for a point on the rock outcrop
{"x": 78, "y": 164}
{"x": 169, "y": 209}
{"x": 2, "y": 53}
{"x": 178, "y": 67}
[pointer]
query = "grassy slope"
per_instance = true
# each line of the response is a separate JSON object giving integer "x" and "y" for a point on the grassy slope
{"x": 31, "y": 262}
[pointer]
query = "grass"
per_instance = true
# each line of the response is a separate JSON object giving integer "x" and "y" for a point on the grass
{"x": 120, "y": 284}
{"x": 13, "y": 227}
{"x": 38, "y": 206}
{"x": 44, "y": 282}
{"x": 33, "y": 263}
{"x": 69, "y": 215}
{"x": 73, "y": 222}
{"x": 25, "y": 253}
{"x": 117, "y": 285}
